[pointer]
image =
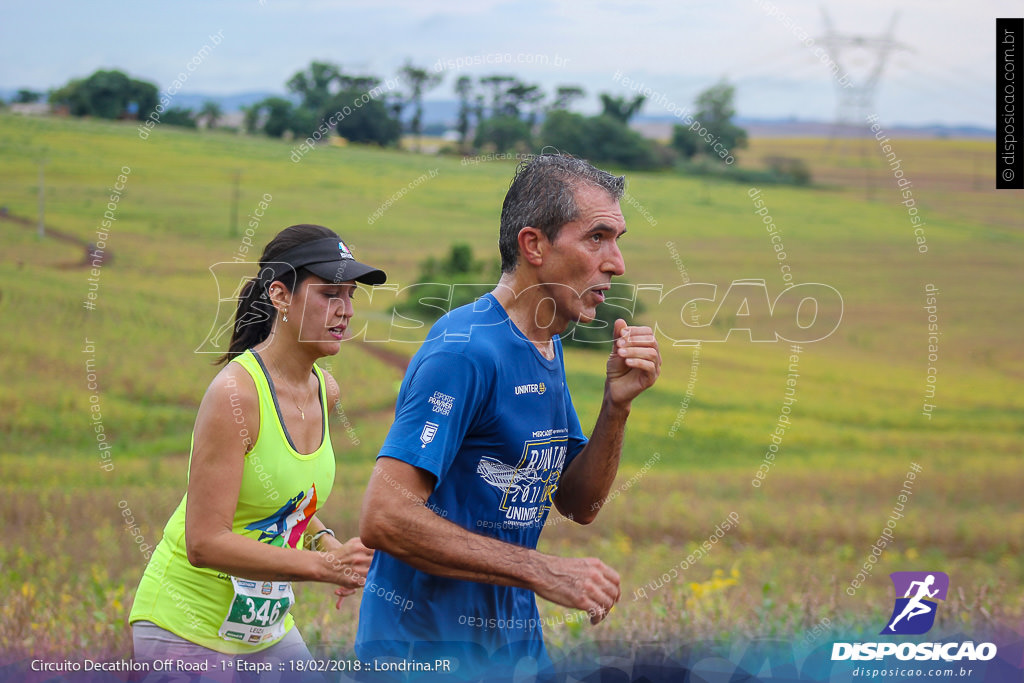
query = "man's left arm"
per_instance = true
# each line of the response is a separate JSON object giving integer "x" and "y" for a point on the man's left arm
{"x": 633, "y": 366}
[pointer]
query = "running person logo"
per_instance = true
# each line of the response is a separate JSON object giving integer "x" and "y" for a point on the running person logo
{"x": 914, "y": 612}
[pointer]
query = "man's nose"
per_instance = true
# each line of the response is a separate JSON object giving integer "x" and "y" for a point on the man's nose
{"x": 615, "y": 263}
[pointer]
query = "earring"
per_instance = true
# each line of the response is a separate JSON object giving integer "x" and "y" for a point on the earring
{"x": 285, "y": 316}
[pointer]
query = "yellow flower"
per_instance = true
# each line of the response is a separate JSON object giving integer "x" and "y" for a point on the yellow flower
{"x": 624, "y": 543}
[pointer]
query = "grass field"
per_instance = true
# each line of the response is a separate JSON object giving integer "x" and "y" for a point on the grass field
{"x": 694, "y": 444}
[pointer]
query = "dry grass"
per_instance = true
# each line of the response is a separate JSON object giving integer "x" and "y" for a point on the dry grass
{"x": 780, "y": 572}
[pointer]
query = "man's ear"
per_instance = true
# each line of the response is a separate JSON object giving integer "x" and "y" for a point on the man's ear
{"x": 532, "y": 245}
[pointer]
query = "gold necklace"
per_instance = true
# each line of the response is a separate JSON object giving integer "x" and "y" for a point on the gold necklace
{"x": 302, "y": 413}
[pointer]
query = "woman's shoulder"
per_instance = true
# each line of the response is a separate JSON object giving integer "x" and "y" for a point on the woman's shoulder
{"x": 231, "y": 399}
{"x": 232, "y": 387}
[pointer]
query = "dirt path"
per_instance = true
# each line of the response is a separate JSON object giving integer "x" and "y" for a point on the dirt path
{"x": 392, "y": 358}
{"x": 32, "y": 224}
{"x": 54, "y": 233}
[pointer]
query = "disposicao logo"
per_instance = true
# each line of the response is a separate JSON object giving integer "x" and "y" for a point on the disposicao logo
{"x": 913, "y": 613}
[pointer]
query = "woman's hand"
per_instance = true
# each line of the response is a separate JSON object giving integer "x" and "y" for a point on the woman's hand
{"x": 350, "y": 561}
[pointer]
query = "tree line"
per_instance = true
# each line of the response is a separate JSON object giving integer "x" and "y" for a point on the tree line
{"x": 496, "y": 113}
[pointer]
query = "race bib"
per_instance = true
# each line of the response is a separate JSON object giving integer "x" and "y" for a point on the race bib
{"x": 257, "y": 611}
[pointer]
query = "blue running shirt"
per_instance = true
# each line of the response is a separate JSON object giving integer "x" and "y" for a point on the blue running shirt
{"x": 484, "y": 412}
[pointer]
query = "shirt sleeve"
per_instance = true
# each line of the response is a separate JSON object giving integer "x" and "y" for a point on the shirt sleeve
{"x": 436, "y": 407}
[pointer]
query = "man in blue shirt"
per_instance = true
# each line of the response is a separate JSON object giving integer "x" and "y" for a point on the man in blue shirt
{"x": 486, "y": 440}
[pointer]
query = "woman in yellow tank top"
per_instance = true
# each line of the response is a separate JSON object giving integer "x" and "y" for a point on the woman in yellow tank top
{"x": 218, "y": 586}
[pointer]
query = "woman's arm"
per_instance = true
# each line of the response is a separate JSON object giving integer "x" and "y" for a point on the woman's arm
{"x": 215, "y": 478}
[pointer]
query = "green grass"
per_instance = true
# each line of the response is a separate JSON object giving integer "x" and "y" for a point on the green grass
{"x": 856, "y": 424}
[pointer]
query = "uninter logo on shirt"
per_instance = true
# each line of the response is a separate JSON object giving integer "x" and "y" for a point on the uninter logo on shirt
{"x": 538, "y": 388}
{"x": 529, "y": 486}
{"x": 442, "y": 402}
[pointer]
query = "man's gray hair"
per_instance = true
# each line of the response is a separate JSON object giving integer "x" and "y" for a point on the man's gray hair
{"x": 543, "y": 195}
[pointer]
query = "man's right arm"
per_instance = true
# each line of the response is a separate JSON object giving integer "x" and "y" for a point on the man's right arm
{"x": 396, "y": 520}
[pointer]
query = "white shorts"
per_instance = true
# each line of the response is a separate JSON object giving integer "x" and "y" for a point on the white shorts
{"x": 182, "y": 660}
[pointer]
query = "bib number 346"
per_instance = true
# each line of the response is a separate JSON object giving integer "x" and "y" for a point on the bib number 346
{"x": 257, "y": 611}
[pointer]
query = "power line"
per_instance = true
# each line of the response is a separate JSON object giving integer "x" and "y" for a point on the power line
{"x": 856, "y": 99}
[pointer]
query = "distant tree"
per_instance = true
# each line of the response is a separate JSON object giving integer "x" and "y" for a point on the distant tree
{"x": 107, "y": 95}
{"x": 497, "y": 84}
{"x": 179, "y": 116}
{"x": 463, "y": 88}
{"x": 67, "y": 94}
{"x": 520, "y": 95}
{"x": 325, "y": 90}
{"x": 371, "y": 122}
{"x": 331, "y": 101}
{"x": 506, "y": 128}
{"x": 612, "y": 141}
{"x": 478, "y": 109}
{"x": 316, "y": 84}
{"x": 564, "y": 96}
{"x": 419, "y": 81}
{"x": 275, "y": 115}
{"x": 395, "y": 104}
{"x": 620, "y": 108}
{"x": 601, "y": 139}
{"x": 535, "y": 106}
{"x": 567, "y": 132}
{"x": 143, "y": 95}
{"x": 302, "y": 121}
{"x": 26, "y": 96}
{"x": 251, "y": 118}
{"x": 474, "y": 277}
{"x": 504, "y": 133}
{"x": 362, "y": 83}
{"x": 459, "y": 261}
{"x": 210, "y": 114}
{"x": 685, "y": 141}
{"x": 714, "y": 113}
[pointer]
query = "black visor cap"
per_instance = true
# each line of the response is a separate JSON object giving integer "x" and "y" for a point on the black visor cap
{"x": 328, "y": 258}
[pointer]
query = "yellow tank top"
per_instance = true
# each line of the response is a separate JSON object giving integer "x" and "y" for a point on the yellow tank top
{"x": 281, "y": 490}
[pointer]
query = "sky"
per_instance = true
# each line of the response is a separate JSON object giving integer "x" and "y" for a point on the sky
{"x": 941, "y": 68}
